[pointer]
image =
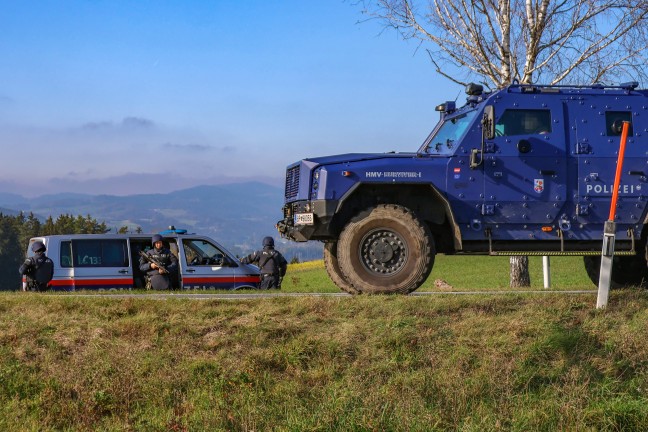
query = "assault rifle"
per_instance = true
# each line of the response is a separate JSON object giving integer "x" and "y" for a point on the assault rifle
{"x": 152, "y": 260}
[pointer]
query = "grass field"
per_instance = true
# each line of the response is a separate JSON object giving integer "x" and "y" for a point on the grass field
{"x": 512, "y": 362}
{"x": 480, "y": 273}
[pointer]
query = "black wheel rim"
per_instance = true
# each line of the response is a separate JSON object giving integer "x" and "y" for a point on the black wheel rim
{"x": 383, "y": 252}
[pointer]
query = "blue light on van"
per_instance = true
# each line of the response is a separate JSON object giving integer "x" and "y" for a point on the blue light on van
{"x": 173, "y": 230}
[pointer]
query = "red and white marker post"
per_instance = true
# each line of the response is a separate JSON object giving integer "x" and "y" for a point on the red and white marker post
{"x": 609, "y": 232}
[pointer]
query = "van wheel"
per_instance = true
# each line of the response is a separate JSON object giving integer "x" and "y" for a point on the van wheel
{"x": 333, "y": 268}
{"x": 627, "y": 271}
{"x": 386, "y": 250}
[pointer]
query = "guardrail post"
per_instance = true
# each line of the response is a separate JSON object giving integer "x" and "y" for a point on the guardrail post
{"x": 546, "y": 271}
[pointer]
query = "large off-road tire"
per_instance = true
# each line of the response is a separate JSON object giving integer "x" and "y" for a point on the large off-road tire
{"x": 333, "y": 268}
{"x": 386, "y": 250}
{"x": 627, "y": 271}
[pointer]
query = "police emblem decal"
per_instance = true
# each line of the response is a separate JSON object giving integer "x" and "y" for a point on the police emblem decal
{"x": 538, "y": 185}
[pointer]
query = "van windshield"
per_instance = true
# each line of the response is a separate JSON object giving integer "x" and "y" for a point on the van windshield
{"x": 444, "y": 139}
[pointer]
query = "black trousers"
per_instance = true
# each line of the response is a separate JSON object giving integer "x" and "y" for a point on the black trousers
{"x": 36, "y": 286}
{"x": 269, "y": 281}
{"x": 160, "y": 281}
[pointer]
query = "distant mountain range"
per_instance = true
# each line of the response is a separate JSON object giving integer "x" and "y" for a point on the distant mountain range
{"x": 237, "y": 215}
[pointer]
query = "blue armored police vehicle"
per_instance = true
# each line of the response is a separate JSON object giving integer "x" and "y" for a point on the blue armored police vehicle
{"x": 525, "y": 170}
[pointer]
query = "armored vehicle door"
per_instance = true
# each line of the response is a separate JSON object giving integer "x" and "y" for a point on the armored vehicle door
{"x": 525, "y": 164}
{"x": 595, "y": 125}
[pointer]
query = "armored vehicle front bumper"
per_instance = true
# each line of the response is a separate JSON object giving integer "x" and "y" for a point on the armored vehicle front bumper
{"x": 308, "y": 220}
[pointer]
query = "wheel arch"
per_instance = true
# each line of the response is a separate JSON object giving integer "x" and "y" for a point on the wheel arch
{"x": 423, "y": 199}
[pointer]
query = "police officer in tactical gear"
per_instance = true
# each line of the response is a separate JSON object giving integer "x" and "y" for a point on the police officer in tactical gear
{"x": 159, "y": 276}
{"x": 38, "y": 269}
{"x": 271, "y": 263}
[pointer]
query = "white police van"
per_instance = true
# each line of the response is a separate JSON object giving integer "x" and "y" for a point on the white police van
{"x": 111, "y": 262}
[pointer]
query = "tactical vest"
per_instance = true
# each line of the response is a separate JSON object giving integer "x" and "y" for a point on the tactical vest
{"x": 164, "y": 256}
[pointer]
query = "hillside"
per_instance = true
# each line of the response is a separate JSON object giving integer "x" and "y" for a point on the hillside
{"x": 237, "y": 215}
{"x": 470, "y": 363}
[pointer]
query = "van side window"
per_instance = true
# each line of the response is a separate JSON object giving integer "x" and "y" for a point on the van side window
{"x": 614, "y": 122}
{"x": 201, "y": 252}
{"x": 523, "y": 122}
{"x": 100, "y": 253}
{"x": 66, "y": 254}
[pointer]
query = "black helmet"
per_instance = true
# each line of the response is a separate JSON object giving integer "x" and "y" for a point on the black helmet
{"x": 268, "y": 241}
{"x": 38, "y": 246}
{"x": 156, "y": 238}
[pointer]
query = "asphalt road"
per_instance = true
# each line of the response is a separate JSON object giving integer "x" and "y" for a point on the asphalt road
{"x": 248, "y": 296}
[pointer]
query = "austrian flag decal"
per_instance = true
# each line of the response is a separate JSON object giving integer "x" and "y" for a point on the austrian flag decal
{"x": 538, "y": 185}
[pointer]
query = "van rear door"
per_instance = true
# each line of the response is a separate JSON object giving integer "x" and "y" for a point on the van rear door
{"x": 101, "y": 264}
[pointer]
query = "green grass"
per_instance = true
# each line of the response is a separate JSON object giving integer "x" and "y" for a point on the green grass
{"x": 461, "y": 273}
{"x": 468, "y": 363}
{"x": 492, "y": 273}
{"x": 479, "y": 273}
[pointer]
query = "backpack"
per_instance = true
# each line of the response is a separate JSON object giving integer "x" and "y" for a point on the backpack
{"x": 42, "y": 273}
{"x": 279, "y": 265}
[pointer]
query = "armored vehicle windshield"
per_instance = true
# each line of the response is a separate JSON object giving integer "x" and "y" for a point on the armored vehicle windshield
{"x": 446, "y": 135}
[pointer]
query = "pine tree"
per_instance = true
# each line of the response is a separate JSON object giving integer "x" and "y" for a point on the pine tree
{"x": 11, "y": 254}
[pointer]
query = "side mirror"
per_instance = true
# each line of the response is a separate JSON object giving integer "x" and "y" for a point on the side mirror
{"x": 488, "y": 122}
{"x": 229, "y": 262}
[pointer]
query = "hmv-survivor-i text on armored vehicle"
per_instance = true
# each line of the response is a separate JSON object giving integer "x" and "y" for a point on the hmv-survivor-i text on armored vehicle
{"x": 525, "y": 170}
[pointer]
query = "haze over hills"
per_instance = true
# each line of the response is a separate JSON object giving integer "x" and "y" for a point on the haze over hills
{"x": 237, "y": 215}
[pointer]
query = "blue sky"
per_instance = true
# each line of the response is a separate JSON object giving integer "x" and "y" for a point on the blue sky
{"x": 126, "y": 97}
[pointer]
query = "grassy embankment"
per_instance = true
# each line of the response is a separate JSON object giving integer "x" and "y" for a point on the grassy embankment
{"x": 472, "y": 363}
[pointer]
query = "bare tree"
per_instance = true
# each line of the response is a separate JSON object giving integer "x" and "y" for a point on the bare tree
{"x": 531, "y": 41}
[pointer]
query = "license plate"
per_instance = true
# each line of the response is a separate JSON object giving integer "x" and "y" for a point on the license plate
{"x": 304, "y": 219}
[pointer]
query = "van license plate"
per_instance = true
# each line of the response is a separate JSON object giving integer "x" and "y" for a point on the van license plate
{"x": 304, "y": 219}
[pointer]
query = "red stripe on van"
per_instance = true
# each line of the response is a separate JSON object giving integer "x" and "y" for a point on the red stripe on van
{"x": 194, "y": 280}
{"x": 227, "y": 279}
{"x": 103, "y": 282}
{"x": 249, "y": 279}
{"x": 61, "y": 282}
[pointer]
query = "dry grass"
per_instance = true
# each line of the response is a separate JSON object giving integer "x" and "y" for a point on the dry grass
{"x": 362, "y": 363}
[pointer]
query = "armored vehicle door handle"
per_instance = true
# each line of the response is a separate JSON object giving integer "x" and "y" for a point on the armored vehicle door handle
{"x": 122, "y": 271}
{"x": 190, "y": 270}
{"x": 548, "y": 172}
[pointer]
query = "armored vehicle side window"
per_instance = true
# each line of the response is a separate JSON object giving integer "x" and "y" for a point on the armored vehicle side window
{"x": 100, "y": 253}
{"x": 523, "y": 122}
{"x": 614, "y": 122}
{"x": 66, "y": 254}
{"x": 201, "y": 252}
